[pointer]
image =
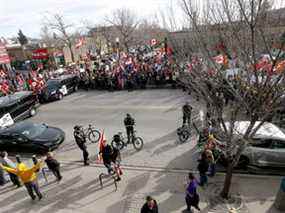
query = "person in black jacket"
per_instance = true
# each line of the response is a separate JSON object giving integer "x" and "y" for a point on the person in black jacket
{"x": 150, "y": 206}
{"x": 187, "y": 110}
{"x": 80, "y": 140}
{"x": 203, "y": 167}
{"x": 111, "y": 155}
{"x": 53, "y": 165}
{"x": 129, "y": 124}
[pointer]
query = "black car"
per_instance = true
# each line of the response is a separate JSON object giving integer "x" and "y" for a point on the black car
{"x": 20, "y": 105}
{"x": 58, "y": 87}
{"x": 28, "y": 137}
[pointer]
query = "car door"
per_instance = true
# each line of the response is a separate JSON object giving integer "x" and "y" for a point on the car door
{"x": 278, "y": 153}
{"x": 22, "y": 144}
{"x": 261, "y": 152}
{"x": 6, "y": 143}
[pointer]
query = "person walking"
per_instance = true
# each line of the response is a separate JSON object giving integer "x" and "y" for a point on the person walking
{"x": 53, "y": 165}
{"x": 28, "y": 176}
{"x": 187, "y": 110}
{"x": 192, "y": 197}
{"x": 203, "y": 167}
{"x": 80, "y": 140}
{"x": 129, "y": 123}
{"x": 150, "y": 206}
{"x": 9, "y": 163}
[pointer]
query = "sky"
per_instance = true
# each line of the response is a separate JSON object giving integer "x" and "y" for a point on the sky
{"x": 28, "y": 15}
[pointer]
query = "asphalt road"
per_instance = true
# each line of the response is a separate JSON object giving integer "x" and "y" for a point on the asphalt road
{"x": 157, "y": 113}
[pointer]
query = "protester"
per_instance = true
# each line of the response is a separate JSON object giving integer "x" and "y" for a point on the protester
{"x": 28, "y": 176}
{"x": 53, "y": 165}
{"x": 2, "y": 177}
{"x": 186, "y": 109}
{"x": 203, "y": 167}
{"x": 9, "y": 163}
{"x": 111, "y": 155}
{"x": 129, "y": 123}
{"x": 150, "y": 206}
{"x": 80, "y": 140}
{"x": 212, "y": 163}
{"x": 192, "y": 197}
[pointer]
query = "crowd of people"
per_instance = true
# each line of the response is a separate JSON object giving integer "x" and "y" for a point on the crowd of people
{"x": 118, "y": 71}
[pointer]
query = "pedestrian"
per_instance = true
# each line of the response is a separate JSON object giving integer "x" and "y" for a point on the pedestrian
{"x": 53, "y": 165}
{"x": 28, "y": 176}
{"x": 203, "y": 167}
{"x": 2, "y": 177}
{"x": 9, "y": 163}
{"x": 187, "y": 110}
{"x": 129, "y": 123}
{"x": 80, "y": 140}
{"x": 192, "y": 197}
{"x": 150, "y": 206}
{"x": 212, "y": 162}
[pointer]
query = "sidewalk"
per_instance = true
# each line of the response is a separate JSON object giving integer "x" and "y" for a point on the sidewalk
{"x": 80, "y": 191}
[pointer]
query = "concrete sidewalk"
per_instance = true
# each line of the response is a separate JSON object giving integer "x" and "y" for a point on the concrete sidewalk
{"x": 80, "y": 191}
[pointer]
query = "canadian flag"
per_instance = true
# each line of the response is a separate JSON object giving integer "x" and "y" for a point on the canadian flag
{"x": 220, "y": 59}
{"x": 102, "y": 140}
{"x": 153, "y": 42}
{"x": 79, "y": 43}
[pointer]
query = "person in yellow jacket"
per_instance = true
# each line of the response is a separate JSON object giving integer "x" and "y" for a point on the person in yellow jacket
{"x": 28, "y": 176}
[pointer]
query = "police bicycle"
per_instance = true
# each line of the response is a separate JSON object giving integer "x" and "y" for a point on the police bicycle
{"x": 92, "y": 134}
{"x": 119, "y": 141}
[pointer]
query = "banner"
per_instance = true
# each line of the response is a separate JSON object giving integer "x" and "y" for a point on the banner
{"x": 6, "y": 120}
{"x": 41, "y": 53}
{"x": 4, "y": 57}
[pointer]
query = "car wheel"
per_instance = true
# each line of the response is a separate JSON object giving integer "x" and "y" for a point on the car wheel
{"x": 33, "y": 112}
{"x": 60, "y": 96}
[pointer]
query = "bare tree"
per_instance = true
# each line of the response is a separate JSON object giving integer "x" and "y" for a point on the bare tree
{"x": 239, "y": 31}
{"x": 60, "y": 28}
{"x": 126, "y": 23}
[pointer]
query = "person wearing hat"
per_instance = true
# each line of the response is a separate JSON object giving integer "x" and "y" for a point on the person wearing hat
{"x": 27, "y": 175}
{"x": 150, "y": 206}
{"x": 80, "y": 140}
{"x": 129, "y": 123}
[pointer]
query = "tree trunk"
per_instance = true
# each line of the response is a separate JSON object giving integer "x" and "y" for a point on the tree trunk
{"x": 71, "y": 53}
{"x": 227, "y": 182}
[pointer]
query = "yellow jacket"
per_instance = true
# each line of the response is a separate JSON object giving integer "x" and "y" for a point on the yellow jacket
{"x": 23, "y": 172}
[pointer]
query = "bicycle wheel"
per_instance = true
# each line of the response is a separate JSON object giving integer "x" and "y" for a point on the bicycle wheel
{"x": 138, "y": 143}
{"x": 183, "y": 136}
{"x": 94, "y": 135}
{"x": 117, "y": 144}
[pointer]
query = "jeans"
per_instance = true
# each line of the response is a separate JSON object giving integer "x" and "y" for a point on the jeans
{"x": 56, "y": 173}
{"x": 130, "y": 133}
{"x": 33, "y": 187}
{"x": 203, "y": 179}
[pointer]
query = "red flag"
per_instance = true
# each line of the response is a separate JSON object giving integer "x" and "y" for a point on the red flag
{"x": 102, "y": 140}
{"x": 79, "y": 43}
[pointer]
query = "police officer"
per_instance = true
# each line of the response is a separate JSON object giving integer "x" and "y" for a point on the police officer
{"x": 129, "y": 124}
{"x": 186, "y": 109}
{"x": 80, "y": 139}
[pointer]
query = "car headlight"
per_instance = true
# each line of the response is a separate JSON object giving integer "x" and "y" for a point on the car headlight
{"x": 53, "y": 92}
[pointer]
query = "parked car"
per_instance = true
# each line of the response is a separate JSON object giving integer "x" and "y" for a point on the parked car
{"x": 265, "y": 149}
{"x": 20, "y": 105}
{"x": 28, "y": 137}
{"x": 58, "y": 87}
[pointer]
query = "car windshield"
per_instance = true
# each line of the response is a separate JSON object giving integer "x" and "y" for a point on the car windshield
{"x": 53, "y": 85}
{"x": 32, "y": 130}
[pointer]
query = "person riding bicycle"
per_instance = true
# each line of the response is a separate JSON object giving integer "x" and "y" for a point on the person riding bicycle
{"x": 80, "y": 140}
{"x": 186, "y": 109}
{"x": 111, "y": 155}
{"x": 129, "y": 124}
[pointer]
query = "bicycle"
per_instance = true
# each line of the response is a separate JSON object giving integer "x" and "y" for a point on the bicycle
{"x": 119, "y": 141}
{"x": 92, "y": 134}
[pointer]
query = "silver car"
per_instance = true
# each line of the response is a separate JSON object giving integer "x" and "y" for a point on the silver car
{"x": 267, "y": 147}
